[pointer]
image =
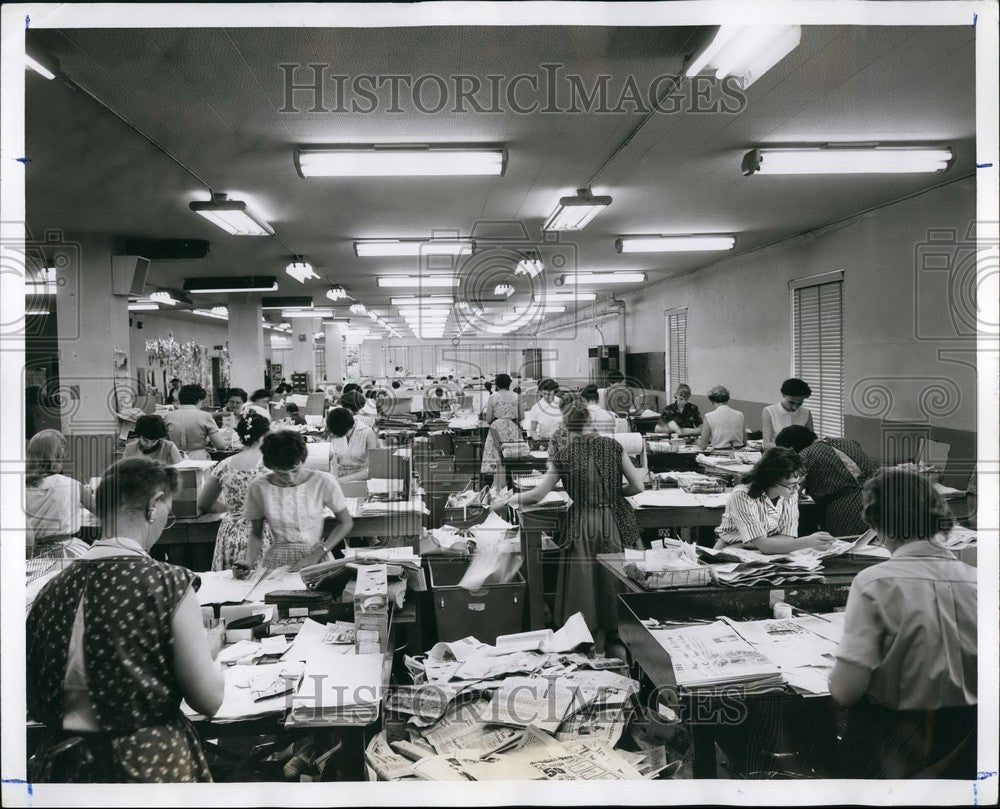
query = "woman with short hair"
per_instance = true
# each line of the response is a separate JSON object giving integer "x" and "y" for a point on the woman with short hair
{"x": 503, "y": 416}
{"x": 349, "y": 446}
{"x": 114, "y": 644}
{"x": 232, "y": 478}
{"x": 723, "y": 428}
{"x": 680, "y": 416}
{"x": 787, "y": 412}
{"x": 191, "y": 428}
{"x": 56, "y": 506}
{"x": 907, "y": 663}
{"x": 152, "y": 442}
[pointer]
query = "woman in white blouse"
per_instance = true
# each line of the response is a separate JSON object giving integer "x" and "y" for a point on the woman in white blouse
{"x": 56, "y": 506}
{"x": 349, "y": 445}
{"x": 763, "y": 511}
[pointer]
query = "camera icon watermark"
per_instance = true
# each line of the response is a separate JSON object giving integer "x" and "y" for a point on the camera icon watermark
{"x": 45, "y": 266}
{"x": 957, "y": 284}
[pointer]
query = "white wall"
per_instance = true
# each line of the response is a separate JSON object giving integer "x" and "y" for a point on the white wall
{"x": 896, "y": 317}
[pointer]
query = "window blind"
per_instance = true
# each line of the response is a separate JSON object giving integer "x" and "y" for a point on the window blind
{"x": 818, "y": 352}
{"x": 677, "y": 371}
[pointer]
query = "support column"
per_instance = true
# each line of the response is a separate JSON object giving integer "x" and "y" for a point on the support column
{"x": 93, "y": 333}
{"x": 334, "y": 352}
{"x": 246, "y": 342}
{"x": 303, "y": 358}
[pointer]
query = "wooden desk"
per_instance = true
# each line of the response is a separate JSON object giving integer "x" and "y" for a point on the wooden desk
{"x": 191, "y": 541}
{"x": 706, "y": 715}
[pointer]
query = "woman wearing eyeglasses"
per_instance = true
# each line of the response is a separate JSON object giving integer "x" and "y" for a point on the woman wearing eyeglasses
{"x": 763, "y": 511}
{"x": 115, "y": 642}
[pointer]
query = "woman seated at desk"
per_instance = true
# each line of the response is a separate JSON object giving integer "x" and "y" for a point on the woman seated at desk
{"x": 232, "y": 477}
{"x": 680, "y": 417}
{"x": 354, "y": 401}
{"x": 349, "y": 446}
{"x": 56, "y": 505}
{"x": 152, "y": 441}
{"x": 835, "y": 469}
{"x": 191, "y": 428}
{"x": 599, "y": 521}
{"x": 291, "y": 499}
{"x": 763, "y": 511}
{"x": 115, "y": 642}
{"x": 907, "y": 661}
{"x": 723, "y": 428}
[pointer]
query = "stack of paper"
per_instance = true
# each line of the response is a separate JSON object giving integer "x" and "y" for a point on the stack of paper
{"x": 340, "y": 693}
{"x": 713, "y": 657}
{"x": 219, "y": 587}
{"x": 736, "y": 566}
{"x": 254, "y": 691}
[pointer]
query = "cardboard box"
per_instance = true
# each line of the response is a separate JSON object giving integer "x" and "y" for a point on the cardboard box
{"x": 191, "y": 480}
{"x": 371, "y": 604}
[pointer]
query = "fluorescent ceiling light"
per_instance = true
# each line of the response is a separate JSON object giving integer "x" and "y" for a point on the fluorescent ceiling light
{"x": 574, "y": 213}
{"x": 564, "y": 296}
{"x": 143, "y": 307}
{"x": 301, "y": 313}
{"x": 423, "y": 281}
{"x": 605, "y": 278}
{"x": 41, "y": 283}
{"x": 746, "y": 51}
{"x": 847, "y": 160}
{"x": 672, "y": 244}
{"x": 378, "y": 160}
{"x": 301, "y": 271}
{"x": 209, "y": 313}
{"x": 336, "y": 293}
{"x": 534, "y": 308}
{"x": 503, "y": 289}
{"x": 358, "y": 308}
{"x": 207, "y": 286}
{"x": 413, "y": 247}
{"x": 33, "y": 63}
{"x": 29, "y": 312}
{"x": 232, "y": 216}
{"x": 222, "y": 311}
{"x": 443, "y": 300}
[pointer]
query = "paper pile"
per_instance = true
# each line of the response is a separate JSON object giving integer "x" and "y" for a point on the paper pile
{"x": 713, "y": 657}
{"x": 745, "y": 567}
{"x": 696, "y": 483}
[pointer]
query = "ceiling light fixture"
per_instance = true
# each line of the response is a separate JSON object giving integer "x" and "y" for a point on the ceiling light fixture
{"x": 574, "y": 213}
{"x": 143, "y": 306}
{"x": 443, "y": 300}
{"x": 861, "y": 159}
{"x": 422, "y": 281}
{"x": 207, "y": 286}
{"x": 301, "y": 270}
{"x": 41, "y": 65}
{"x": 210, "y": 313}
{"x": 232, "y": 216}
{"x": 413, "y": 247}
{"x": 41, "y": 283}
{"x": 746, "y": 51}
{"x": 531, "y": 266}
{"x": 604, "y": 278}
{"x": 336, "y": 293}
{"x": 386, "y": 160}
{"x": 673, "y": 244}
{"x": 301, "y": 313}
{"x": 358, "y": 308}
{"x": 506, "y": 290}
{"x": 164, "y": 297}
{"x": 564, "y": 296}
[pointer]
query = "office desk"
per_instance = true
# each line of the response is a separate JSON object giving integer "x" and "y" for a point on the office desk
{"x": 707, "y": 716}
{"x": 190, "y": 542}
{"x": 535, "y": 522}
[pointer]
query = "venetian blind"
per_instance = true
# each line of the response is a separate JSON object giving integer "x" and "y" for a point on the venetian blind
{"x": 818, "y": 352}
{"x": 677, "y": 368}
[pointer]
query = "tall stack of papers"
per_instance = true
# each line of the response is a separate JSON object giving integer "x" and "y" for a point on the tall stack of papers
{"x": 745, "y": 567}
{"x": 713, "y": 657}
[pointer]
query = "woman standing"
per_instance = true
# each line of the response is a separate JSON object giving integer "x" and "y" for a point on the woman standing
{"x": 503, "y": 415}
{"x": 115, "y": 642}
{"x": 349, "y": 446}
{"x": 290, "y": 499}
{"x": 232, "y": 477}
{"x": 191, "y": 428}
{"x": 789, "y": 411}
{"x": 836, "y": 469}
{"x": 56, "y": 506}
{"x": 763, "y": 511}
{"x": 723, "y": 428}
{"x": 599, "y": 521}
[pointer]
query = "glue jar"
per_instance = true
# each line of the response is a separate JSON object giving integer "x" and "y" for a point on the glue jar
{"x": 782, "y": 610}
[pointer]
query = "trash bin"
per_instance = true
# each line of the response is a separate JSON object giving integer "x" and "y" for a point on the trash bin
{"x": 496, "y": 609}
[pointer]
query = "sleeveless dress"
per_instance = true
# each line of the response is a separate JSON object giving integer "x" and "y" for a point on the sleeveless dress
{"x": 234, "y": 529}
{"x": 128, "y": 605}
{"x": 599, "y": 521}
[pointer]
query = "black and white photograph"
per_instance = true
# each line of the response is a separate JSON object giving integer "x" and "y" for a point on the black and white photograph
{"x": 598, "y": 400}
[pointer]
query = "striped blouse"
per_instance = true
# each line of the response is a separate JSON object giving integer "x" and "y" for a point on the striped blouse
{"x": 748, "y": 518}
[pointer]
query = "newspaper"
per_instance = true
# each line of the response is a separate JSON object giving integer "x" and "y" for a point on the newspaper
{"x": 464, "y": 729}
{"x": 604, "y": 723}
{"x": 573, "y": 634}
{"x": 523, "y": 701}
{"x": 387, "y": 763}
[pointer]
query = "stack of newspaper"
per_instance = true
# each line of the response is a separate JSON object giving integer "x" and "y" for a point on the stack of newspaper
{"x": 715, "y": 658}
{"x": 736, "y": 566}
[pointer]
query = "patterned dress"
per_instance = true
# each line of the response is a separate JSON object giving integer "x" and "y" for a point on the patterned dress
{"x": 599, "y": 521}
{"x": 835, "y": 486}
{"x": 128, "y": 603}
{"x": 234, "y": 529}
{"x": 501, "y": 414}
